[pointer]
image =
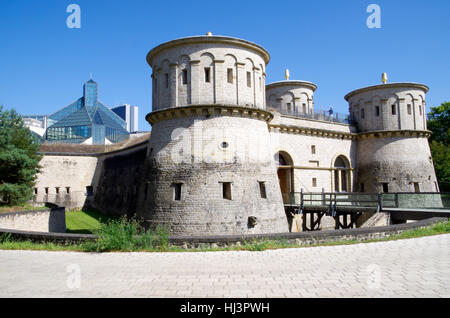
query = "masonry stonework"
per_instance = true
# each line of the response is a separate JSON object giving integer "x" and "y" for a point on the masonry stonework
{"x": 226, "y": 149}
{"x": 208, "y": 169}
{"x": 291, "y": 96}
{"x": 393, "y": 151}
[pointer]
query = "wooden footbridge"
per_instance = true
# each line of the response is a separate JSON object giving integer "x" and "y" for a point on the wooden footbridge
{"x": 347, "y": 208}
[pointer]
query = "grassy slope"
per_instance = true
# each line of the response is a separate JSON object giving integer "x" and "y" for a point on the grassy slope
{"x": 26, "y": 207}
{"x": 84, "y": 222}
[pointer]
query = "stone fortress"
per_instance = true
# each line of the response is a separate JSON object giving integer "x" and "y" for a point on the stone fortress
{"x": 226, "y": 149}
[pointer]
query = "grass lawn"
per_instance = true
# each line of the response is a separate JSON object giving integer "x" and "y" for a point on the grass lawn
{"x": 84, "y": 222}
{"x": 4, "y": 208}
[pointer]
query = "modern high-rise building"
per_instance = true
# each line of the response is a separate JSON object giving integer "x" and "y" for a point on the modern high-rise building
{"x": 129, "y": 114}
{"x": 36, "y": 123}
{"x": 86, "y": 121}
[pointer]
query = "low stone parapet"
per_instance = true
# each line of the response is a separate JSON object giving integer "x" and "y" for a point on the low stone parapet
{"x": 50, "y": 219}
{"x": 190, "y": 242}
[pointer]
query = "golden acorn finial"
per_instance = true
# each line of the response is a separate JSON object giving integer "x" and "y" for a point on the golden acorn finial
{"x": 384, "y": 78}
{"x": 286, "y": 74}
{"x": 209, "y": 34}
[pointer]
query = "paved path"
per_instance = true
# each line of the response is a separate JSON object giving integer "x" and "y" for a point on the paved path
{"x": 406, "y": 268}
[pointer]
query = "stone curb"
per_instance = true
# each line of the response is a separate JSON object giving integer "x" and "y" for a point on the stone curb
{"x": 359, "y": 234}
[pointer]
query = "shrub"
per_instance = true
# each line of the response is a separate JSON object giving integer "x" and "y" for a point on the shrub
{"x": 127, "y": 235}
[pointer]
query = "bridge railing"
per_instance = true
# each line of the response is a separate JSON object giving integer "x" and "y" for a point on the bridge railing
{"x": 413, "y": 200}
{"x": 417, "y": 200}
{"x": 328, "y": 198}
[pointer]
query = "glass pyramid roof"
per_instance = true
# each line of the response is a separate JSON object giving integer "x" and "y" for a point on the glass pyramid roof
{"x": 78, "y": 118}
{"x": 94, "y": 113}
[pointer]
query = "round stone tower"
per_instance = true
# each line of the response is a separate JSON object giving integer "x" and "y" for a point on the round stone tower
{"x": 291, "y": 97}
{"x": 209, "y": 169}
{"x": 393, "y": 154}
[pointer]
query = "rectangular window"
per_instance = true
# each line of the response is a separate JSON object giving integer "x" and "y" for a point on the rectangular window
{"x": 67, "y": 190}
{"x": 314, "y": 182}
{"x": 420, "y": 110}
{"x": 362, "y": 113}
{"x": 313, "y": 149}
{"x": 304, "y": 108}
{"x": 409, "y": 109}
{"x": 377, "y": 111}
{"x": 385, "y": 187}
{"x": 226, "y": 190}
{"x": 46, "y": 191}
{"x": 207, "y": 75}
{"x": 288, "y": 105}
{"x": 57, "y": 190}
{"x": 230, "y": 75}
{"x": 184, "y": 76}
{"x": 394, "y": 109}
{"x": 167, "y": 79}
{"x": 35, "y": 190}
{"x": 249, "y": 79}
{"x": 89, "y": 191}
{"x": 416, "y": 187}
{"x": 177, "y": 191}
{"x": 260, "y": 83}
{"x": 262, "y": 190}
{"x": 361, "y": 187}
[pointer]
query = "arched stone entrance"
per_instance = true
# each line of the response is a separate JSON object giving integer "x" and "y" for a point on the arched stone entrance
{"x": 342, "y": 177}
{"x": 285, "y": 168}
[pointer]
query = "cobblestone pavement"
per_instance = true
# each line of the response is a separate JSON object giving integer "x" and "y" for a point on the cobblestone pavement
{"x": 406, "y": 268}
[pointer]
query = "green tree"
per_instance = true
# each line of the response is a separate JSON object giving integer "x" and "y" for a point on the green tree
{"x": 439, "y": 124}
{"x": 19, "y": 160}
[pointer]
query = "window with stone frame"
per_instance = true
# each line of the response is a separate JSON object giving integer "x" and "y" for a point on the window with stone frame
{"x": 230, "y": 75}
{"x": 184, "y": 76}
{"x": 207, "y": 75}
{"x": 262, "y": 189}
{"x": 226, "y": 190}
{"x": 177, "y": 191}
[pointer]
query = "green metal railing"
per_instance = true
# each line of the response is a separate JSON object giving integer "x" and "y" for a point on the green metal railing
{"x": 380, "y": 201}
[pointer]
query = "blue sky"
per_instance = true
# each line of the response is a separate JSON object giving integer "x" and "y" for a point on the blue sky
{"x": 43, "y": 63}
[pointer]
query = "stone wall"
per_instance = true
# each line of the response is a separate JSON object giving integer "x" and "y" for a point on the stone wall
{"x": 291, "y": 96}
{"x": 108, "y": 182}
{"x": 116, "y": 182}
{"x": 364, "y": 102}
{"x": 64, "y": 179}
{"x": 190, "y": 57}
{"x": 45, "y": 220}
{"x": 200, "y": 154}
{"x": 399, "y": 161}
{"x": 296, "y": 137}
